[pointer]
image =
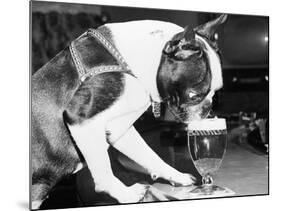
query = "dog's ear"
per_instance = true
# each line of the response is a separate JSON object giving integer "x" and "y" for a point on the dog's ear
{"x": 209, "y": 29}
{"x": 179, "y": 39}
{"x": 182, "y": 44}
{"x": 189, "y": 33}
{"x": 187, "y": 46}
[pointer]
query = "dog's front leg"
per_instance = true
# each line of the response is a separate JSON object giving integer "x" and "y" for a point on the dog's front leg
{"x": 133, "y": 146}
{"x": 92, "y": 143}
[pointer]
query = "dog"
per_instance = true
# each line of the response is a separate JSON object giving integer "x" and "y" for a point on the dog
{"x": 76, "y": 116}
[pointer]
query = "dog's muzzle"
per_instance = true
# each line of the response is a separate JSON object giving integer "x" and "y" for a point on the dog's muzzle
{"x": 188, "y": 113}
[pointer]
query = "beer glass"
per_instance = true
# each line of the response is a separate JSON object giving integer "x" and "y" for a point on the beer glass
{"x": 207, "y": 145}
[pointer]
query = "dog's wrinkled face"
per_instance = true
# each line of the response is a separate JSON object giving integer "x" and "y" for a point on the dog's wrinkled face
{"x": 190, "y": 71}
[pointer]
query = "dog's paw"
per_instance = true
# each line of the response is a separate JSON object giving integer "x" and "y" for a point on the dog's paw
{"x": 133, "y": 194}
{"x": 183, "y": 179}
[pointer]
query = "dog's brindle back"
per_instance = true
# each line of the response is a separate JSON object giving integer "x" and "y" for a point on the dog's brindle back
{"x": 59, "y": 98}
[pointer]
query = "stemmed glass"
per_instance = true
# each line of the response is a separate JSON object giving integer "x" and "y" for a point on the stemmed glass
{"x": 207, "y": 140}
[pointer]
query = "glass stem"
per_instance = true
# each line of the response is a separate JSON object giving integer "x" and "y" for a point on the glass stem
{"x": 207, "y": 180}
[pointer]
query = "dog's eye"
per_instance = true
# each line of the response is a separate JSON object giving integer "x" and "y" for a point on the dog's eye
{"x": 192, "y": 95}
{"x": 216, "y": 36}
{"x": 194, "y": 98}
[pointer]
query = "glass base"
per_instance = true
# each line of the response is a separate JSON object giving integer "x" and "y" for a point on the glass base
{"x": 210, "y": 191}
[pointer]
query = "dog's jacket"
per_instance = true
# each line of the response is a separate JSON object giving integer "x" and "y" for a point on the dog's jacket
{"x": 75, "y": 116}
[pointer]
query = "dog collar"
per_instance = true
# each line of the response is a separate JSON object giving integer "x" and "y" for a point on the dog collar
{"x": 84, "y": 73}
{"x": 156, "y": 109}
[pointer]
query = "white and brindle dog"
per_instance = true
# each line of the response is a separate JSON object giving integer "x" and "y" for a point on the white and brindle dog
{"x": 76, "y": 116}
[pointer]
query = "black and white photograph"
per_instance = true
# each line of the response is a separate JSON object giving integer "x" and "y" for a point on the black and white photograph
{"x": 133, "y": 105}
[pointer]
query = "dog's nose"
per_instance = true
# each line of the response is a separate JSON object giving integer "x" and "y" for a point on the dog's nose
{"x": 206, "y": 108}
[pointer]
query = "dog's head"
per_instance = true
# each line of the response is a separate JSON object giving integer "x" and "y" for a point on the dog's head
{"x": 190, "y": 70}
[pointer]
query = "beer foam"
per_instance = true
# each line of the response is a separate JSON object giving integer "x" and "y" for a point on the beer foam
{"x": 207, "y": 124}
